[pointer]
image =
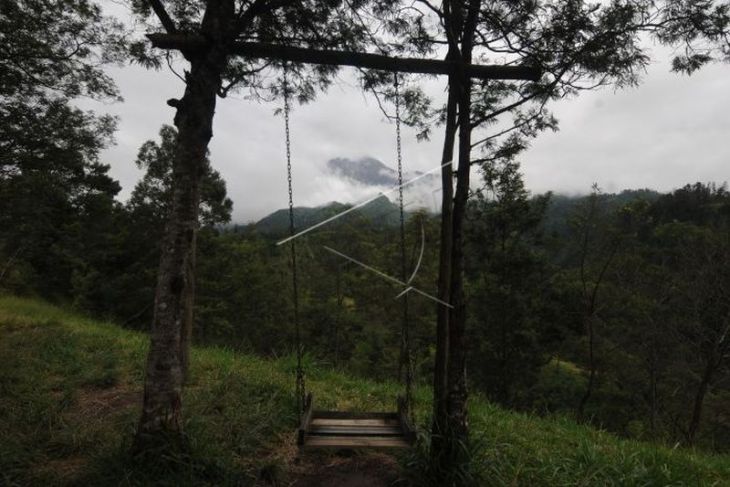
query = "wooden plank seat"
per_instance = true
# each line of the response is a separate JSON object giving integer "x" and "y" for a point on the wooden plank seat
{"x": 340, "y": 429}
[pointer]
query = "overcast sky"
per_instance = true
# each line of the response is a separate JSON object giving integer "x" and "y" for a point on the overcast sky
{"x": 669, "y": 131}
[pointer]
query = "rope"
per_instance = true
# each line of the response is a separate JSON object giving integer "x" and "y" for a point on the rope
{"x": 300, "y": 385}
{"x": 405, "y": 360}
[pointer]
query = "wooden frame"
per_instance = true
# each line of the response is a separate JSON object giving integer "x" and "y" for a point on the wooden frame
{"x": 305, "y": 419}
{"x": 331, "y": 57}
{"x": 354, "y": 415}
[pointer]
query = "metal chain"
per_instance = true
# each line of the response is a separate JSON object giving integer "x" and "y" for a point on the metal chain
{"x": 405, "y": 331}
{"x": 300, "y": 385}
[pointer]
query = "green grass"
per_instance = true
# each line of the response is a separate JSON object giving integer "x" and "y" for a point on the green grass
{"x": 70, "y": 391}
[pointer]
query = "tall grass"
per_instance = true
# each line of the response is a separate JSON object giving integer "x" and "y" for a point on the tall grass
{"x": 70, "y": 391}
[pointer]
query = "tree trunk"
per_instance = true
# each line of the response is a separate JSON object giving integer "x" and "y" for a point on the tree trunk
{"x": 450, "y": 428}
{"x": 503, "y": 393}
{"x": 187, "y": 332}
{"x": 653, "y": 380}
{"x": 440, "y": 389}
{"x": 439, "y": 432}
{"x": 162, "y": 405}
{"x": 9, "y": 263}
{"x": 174, "y": 296}
{"x": 591, "y": 368}
{"x": 457, "y": 411}
{"x": 458, "y": 393}
{"x": 653, "y": 399}
{"x": 694, "y": 423}
{"x": 338, "y": 316}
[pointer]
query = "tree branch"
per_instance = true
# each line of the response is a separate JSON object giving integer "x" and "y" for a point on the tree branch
{"x": 257, "y": 8}
{"x": 164, "y": 17}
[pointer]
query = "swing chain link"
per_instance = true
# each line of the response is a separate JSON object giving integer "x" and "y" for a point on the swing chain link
{"x": 405, "y": 338}
{"x": 405, "y": 332}
{"x": 300, "y": 384}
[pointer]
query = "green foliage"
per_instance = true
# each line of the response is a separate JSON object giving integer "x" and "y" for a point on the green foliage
{"x": 699, "y": 27}
{"x": 56, "y": 195}
{"x": 507, "y": 277}
{"x": 659, "y": 322}
{"x": 381, "y": 212}
{"x": 467, "y": 465}
{"x": 122, "y": 283}
{"x": 661, "y": 314}
{"x": 356, "y": 26}
{"x": 56, "y": 48}
{"x": 247, "y": 272}
{"x": 525, "y": 292}
{"x": 152, "y": 196}
{"x": 54, "y": 192}
{"x": 558, "y": 387}
{"x": 63, "y": 423}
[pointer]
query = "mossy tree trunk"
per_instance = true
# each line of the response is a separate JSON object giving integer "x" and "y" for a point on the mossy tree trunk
{"x": 440, "y": 376}
{"x": 450, "y": 428}
{"x": 457, "y": 406}
{"x": 171, "y": 328}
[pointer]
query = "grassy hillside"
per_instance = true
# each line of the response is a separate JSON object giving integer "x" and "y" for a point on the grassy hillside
{"x": 70, "y": 395}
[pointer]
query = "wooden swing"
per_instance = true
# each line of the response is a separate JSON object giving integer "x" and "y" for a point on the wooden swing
{"x": 343, "y": 429}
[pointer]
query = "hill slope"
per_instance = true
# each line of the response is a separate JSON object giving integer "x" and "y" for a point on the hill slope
{"x": 380, "y": 212}
{"x": 70, "y": 393}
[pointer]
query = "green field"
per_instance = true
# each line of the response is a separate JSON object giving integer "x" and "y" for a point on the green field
{"x": 70, "y": 392}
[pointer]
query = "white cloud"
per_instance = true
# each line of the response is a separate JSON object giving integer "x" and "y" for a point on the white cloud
{"x": 670, "y": 131}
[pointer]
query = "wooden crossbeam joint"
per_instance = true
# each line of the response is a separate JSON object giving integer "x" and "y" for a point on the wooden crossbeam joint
{"x": 189, "y": 43}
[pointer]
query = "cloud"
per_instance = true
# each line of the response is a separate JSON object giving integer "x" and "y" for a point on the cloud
{"x": 669, "y": 131}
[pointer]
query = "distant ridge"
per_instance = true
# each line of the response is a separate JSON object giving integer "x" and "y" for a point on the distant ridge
{"x": 383, "y": 212}
{"x": 380, "y": 212}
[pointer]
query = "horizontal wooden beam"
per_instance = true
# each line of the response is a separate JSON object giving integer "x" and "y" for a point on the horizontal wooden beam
{"x": 190, "y": 43}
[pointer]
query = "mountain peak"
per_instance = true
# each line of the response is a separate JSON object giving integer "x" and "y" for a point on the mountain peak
{"x": 365, "y": 170}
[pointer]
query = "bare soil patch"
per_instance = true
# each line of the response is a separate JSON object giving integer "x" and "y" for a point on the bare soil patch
{"x": 98, "y": 402}
{"x": 370, "y": 470}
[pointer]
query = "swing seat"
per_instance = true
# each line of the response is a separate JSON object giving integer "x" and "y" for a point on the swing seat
{"x": 343, "y": 429}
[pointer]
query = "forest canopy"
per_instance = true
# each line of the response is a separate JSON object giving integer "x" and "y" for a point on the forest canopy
{"x": 611, "y": 308}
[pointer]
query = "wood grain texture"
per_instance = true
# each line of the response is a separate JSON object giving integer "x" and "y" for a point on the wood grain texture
{"x": 342, "y": 429}
{"x": 354, "y": 442}
{"x": 354, "y": 415}
{"x": 193, "y": 43}
{"x": 353, "y": 422}
{"x": 355, "y": 431}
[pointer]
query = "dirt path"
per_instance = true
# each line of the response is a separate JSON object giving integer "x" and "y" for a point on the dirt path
{"x": 370, "y": 470}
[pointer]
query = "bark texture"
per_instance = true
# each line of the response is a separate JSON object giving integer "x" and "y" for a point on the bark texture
{"x": 187, "y": 333}
{"x": 457, "y": 396}
{"x": 720, "y": 349}
{"x": 440, "y": 376}
{"x": 440, "y": 434}
{"x": 699, "y": 400}
{"x": 168, "y": 355}
{"x": 450, "y": 428}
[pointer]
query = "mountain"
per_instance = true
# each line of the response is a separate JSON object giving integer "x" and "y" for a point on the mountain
{"x": 383, "y": 212}
{"x": 380, "y": 212}
{"x": 366, "y": 170}
{"x": 370, "y": 171}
